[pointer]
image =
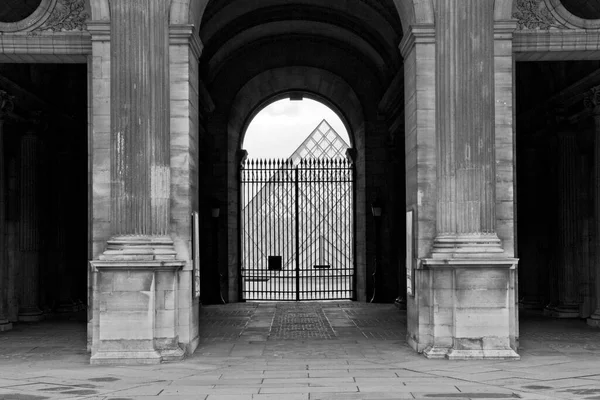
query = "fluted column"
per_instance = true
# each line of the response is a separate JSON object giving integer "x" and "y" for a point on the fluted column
{"x": 592, "y": 101}
{"x": 29, "y": 229}
{"x": 568, "y": 304}
{"x": 465, "y": 129}
{"x": 6, "y": 105}
{"x": 140, "y": 142}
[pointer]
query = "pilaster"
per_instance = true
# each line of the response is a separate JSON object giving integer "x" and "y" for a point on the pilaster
{"x": 469, "y": 275}
{"x": 185, "y": 49}
{"x": 592, "y": 102}
{"x": 6, "y": 106}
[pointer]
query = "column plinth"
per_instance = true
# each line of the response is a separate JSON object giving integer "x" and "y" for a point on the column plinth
{"x": 6, "y": 105}
{"x": 467, "y": 254}
{"x": 592, "y": 101}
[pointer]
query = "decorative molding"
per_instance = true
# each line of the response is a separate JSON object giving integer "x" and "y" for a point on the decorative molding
{"x": 186, "y": 35}
{"x": 67, "y": 15}
{"x": 535, "y": 14}
{"x": 417, "y": 34}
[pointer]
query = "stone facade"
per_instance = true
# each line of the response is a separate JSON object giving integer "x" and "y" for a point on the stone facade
{"x": 171, "y": 88}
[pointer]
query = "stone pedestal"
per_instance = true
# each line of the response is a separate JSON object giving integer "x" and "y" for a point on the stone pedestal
{"x": 138, "y": 310}
{"x": 468, "y": 283}
{"x": 6, "y": 106}
{"x": 592, "y": 101}
{"x": 29, "y": 230}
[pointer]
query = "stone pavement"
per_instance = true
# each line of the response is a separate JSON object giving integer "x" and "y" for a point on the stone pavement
{"x": 331, "y": 350}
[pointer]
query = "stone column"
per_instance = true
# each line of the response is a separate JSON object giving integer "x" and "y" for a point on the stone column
{"x": 568, "y": 304}
{"x": 592, "y": 101}
{"x": 465, "y": 127}
{"x": 29, "y": 229}
{"x": 136, "y": 277}
{"x": 6, "y": 106}
{"x": 471, "y": 274}
{"x": 140, "y": 145}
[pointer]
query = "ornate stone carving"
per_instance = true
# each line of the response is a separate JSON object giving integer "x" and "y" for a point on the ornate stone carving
{"x": 534, "y": 14}
{"x": 67, "y": 15}
{"x": 591, "y": 99}
{"x": 7, "y": 104}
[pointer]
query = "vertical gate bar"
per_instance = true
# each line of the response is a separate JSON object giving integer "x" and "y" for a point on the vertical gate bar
{"x": 248, "y": 260}
{"x": 291, "y": 240}
{"x": 263, "y": 225}
{"x": 255, "y": 228}
{"x": 334, "y": 275}
{"x": 297, "y": 237}
{"x": 270, "y": 223}
{"x": 243, "y": 231}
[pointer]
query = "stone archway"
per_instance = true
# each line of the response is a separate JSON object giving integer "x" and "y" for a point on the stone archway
{"x": 411, "y": 12}
{"x": 254, "y": 95}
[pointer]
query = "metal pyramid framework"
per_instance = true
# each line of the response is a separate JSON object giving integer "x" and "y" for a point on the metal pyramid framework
{"x": 297, "y": 222}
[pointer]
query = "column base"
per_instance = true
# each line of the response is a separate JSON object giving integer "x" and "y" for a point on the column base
{"x": 594, "y": 320}
{"x": 30, "y": 314}
{"x": 435, "y": 352}
{"x": 479, "y": 246}
{"x": 125, "y": 358}
{"x": 67, "y": 307}
{"x": 549, "y": 309}
{"x": 5, "y": 326}
{"x": 502, "y": 354}
{"x": 531, "y": 303}
{"x": 566, "y": 311}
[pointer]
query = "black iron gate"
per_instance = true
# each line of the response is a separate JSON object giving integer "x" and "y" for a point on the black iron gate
{"x": 297, "y": 229}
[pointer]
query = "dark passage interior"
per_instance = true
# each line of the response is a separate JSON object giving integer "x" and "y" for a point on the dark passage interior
{"x": 45, "y": 190}
{"x": 555, "y": 137}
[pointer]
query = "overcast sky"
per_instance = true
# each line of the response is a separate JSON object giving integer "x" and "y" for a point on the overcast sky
{"x": 278, "y": 130}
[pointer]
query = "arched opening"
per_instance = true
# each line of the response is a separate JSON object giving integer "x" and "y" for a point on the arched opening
{"x": 344, "y": 54}
{"x": 297, "y": 207}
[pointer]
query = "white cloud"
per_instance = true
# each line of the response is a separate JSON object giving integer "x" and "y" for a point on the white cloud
{"x": 278, "y": 129}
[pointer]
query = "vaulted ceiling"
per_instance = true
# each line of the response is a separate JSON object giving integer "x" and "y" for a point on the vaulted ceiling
{"x": 17, "y": 10}
{"x": 354, "y": 39}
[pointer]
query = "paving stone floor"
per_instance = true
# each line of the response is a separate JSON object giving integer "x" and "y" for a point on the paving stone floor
{"x": 330, "y": 350}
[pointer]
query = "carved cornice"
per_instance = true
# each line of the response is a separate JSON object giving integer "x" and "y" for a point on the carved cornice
{"x": 7, "y": 104}
{"x": 66, "y": 16}
{"x": 535, "y": 14}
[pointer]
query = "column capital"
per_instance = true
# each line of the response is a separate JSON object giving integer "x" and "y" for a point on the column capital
{"x": 100, "y": 30}
{"x": 504, "y": 29}
{"x": 591, "y": 100}
{"x": 7, "y": 104}
{"x": 186, "y": 35}
{"x": 417, "y": 34}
